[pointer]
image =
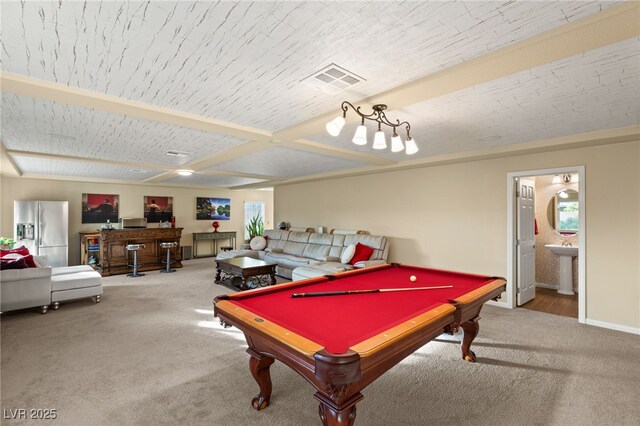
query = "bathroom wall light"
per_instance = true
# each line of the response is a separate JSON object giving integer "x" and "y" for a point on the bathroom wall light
{"x": 184, "y": 172}
{"x": 565, "y": 177}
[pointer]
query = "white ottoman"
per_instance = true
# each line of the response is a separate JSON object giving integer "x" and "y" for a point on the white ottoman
{"x": 75, "y": 285}
{"x": 62, "y": 270}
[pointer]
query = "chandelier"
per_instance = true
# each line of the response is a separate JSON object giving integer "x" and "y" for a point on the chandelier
{"x": 379, "y": 139}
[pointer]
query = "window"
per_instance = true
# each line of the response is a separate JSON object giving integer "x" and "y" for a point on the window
{"x": 251, "y": 210}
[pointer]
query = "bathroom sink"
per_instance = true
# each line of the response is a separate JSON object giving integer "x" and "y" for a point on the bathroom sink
{"x": 561, "y": 250}
{"x": 566, "y": 254}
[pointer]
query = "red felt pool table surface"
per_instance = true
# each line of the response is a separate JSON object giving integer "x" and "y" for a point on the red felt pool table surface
{"x": 340, "y": 322}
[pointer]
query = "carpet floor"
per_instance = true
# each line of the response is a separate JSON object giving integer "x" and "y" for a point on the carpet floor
{"x": 151, "y": 353}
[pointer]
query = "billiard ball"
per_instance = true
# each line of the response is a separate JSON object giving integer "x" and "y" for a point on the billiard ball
{"x": 413, "y": 278}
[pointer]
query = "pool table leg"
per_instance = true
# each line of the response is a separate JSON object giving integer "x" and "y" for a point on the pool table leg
{"x": 470, "y": 329}
{"x": 337, "y": 415}
{"x": 259, "y": 366}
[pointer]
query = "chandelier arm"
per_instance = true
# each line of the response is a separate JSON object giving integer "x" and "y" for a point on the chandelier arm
{"x": 345, "y": 107}
{"x": 377, "y": 116}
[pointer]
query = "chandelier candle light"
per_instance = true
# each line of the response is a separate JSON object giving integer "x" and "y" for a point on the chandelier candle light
{"x": 379, "y": 140}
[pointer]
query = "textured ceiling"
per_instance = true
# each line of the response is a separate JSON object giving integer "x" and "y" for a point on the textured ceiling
{"x": 241, "y": 65}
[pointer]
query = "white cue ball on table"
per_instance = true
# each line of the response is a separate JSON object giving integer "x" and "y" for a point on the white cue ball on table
{"x": 413, "y": 278}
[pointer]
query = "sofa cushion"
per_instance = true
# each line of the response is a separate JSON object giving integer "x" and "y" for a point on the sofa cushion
{"x": 347, "y": 253}
{"x": 362, "y": 253}
{"x": 294, "y": 248}
{"x": 320, "y": 238}
{"x": 25, "y": 274}
{"x": 330, "y": 267}
{"x": 61, "y": 270}
{"x": 316, "y": 251}
{"x": 299, "y": 237}
{"x": 77, "y": 280}
{"x": 231, "y": 254}
{"x": 258, "y": 243}
{"x": 286, "y": 260}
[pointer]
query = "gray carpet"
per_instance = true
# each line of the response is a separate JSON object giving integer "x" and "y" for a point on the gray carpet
{"x": 151, "y": 353}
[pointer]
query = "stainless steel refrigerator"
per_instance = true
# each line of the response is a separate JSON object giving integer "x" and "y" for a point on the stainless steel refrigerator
{"x": 43, "y": 227}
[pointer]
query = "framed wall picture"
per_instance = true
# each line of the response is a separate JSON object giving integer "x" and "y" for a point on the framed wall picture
{"x": 100, "y": 208}
{"x": 213, "y": 208}
{"x": 157, "y": 209}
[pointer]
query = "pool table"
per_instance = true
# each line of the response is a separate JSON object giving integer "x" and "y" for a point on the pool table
{"x": 341, "y": 343}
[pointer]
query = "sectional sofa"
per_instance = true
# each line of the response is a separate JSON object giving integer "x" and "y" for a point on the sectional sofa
{"x": 44, "y": 286}
{"x": 300, "y": 255}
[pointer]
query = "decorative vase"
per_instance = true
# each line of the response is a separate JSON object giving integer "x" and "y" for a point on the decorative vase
{"x": 215, "y": 225}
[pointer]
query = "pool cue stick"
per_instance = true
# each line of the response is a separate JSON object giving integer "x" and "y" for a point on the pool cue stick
{"x": 377, "y": 290}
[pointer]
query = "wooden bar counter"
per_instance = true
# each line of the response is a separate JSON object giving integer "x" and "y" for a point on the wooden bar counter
{"x": 113, "y": 249}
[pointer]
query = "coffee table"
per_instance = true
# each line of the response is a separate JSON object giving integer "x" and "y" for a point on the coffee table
{"x": 244, "y": 268}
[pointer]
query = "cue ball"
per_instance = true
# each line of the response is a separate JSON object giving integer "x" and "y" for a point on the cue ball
{"x": 413, "y": 278}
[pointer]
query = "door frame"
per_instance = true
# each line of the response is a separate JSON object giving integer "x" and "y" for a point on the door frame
{"x": 511, "y": 234}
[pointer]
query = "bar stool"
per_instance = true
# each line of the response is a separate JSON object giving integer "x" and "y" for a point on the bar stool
{"x": 168, "y": 246}
{"x": 134, "y": 248}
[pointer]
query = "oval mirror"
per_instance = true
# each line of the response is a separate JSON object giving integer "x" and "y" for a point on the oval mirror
{"x": 563, "y": 212}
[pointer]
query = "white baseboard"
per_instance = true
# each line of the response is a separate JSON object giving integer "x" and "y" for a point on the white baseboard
{"x": 612, "y": 326}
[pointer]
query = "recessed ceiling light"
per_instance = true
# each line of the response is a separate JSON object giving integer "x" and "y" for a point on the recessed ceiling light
{"x": 184, "y": 172}
{"x": 175, "y": 153}
{"x": 139, "y": 171}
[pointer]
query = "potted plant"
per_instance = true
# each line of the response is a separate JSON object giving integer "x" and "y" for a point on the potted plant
{"x": 6, "y": 243}
{"x": 255, "y": 227}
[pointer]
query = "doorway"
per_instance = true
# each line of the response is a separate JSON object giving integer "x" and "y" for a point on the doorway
{"x": 521, "y": 270}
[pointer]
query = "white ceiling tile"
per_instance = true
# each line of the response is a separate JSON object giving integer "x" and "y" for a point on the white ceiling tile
{"x": 80, "y": 169}
{"x": 50, "y": 127}
{"x": 243, "y": 61}
{"x": 286, "y": 163}
{"x": 597, "y": 90}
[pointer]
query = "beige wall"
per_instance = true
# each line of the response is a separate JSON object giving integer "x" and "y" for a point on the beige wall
{"x": 454, "y": 217}
{"x": 131, "y": 205}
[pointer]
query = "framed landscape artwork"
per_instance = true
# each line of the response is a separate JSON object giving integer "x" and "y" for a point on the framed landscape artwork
{"x": 158, "y": 209}
{"x": 100, "y": 208}
{"x": 213, "y": 208}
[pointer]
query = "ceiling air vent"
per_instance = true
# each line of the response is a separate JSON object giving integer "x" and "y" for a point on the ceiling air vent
{"x": 333, "y": 79}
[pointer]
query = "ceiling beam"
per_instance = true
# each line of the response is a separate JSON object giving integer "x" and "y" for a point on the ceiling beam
{"x": 612, "y": 25}
{"x": 88, "y": 160}
{"x": 8, "y": 167}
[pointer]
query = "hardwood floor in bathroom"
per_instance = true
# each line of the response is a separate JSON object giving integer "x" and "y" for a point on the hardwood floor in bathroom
{"x": 549, "y": 301}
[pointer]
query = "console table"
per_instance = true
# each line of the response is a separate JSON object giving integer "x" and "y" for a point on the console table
{"x": 213, "y": 237}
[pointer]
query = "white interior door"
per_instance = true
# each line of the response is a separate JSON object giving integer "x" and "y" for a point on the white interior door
{"x": 526, "y": 261}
